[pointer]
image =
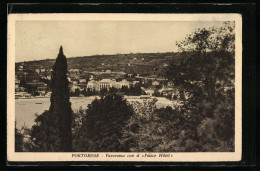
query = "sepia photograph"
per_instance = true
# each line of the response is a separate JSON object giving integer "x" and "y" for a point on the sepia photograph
{"x": 124, "y": 87}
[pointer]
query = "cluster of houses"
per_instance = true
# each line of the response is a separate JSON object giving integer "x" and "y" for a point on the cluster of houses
{"x": 31, "y": 77}
{"x": 40, "y": 87}
{"x": 165, "y": 91}
{"x": 37, "y": 76}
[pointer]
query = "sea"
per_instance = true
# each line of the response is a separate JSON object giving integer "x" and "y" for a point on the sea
{"x": 26, "y": 109}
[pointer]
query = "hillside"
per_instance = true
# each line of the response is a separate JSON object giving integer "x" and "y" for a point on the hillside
{"x": 141, "y": 63}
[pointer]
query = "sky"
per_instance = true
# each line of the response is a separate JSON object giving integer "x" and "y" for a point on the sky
{"x": 37, "y": 40}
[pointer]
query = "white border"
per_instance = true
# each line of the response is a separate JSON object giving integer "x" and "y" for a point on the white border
{"x": 176, "y": 157}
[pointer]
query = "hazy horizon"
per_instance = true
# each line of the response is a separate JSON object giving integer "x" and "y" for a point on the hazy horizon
{"x": 39, "y": 40}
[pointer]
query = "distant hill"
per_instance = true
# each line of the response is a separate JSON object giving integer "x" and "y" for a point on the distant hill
{"x": 141, "y": 63}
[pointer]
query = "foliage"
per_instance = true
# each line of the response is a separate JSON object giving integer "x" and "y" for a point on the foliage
{"x": 207, "y": 59}
{"x": 103, "y": 91}
{"x": 135, "y": 90}
{"x": 18, "y": 140}
{"x": 216, "y": 133}
{"x": 206, "y": 68}
{"x": 143, "y": 128}
{"x": 77, "y": 92}
{"x": 205, "y": 121}
{"x": 157, "y": 94}
{"x": 182, "y": 129}
{"x": 59, "y": 136}
{"x": 155, "y": 130}
{"x": 133, "y": 132}
{"x": 132, "y": 91}
{"x": 113, "y": 90}
{"x": 35, "y": 93}
{"x": 102, "y": 126}
{"x": 77, "y": 122}
{"x": 22, "y": 82}
{"x": 34, "y": 141}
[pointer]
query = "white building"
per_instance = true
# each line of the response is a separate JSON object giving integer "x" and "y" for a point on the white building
{"x": 82, "y": 81}
{"x": 74, "y": 87}
{"x": 155, "y": 83}
{"x": 107, "y": 84}
{"x": 124, "y": 83}
{"x": 91, "y": 77}
{"x": 21, "y": 67}
{"x": 48, "y": 77}
{"x": 93, "y": 85}
{"x": 149, "y": 92}
{"x": 136, "y": 82}
{"x": 22, "y": 95}
{"x": 75, "y": 82}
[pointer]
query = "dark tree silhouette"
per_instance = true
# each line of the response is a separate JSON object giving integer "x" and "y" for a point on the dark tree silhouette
{"x": 103, "y": 123}
{"x": 208, "y": 58}
{"x": 59, "y": 136}
{"x": 18, "y": 140}
{"x": 206, "y": 67}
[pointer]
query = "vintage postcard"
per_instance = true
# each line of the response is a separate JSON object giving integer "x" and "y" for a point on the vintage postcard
{"x": 124, "y": 87}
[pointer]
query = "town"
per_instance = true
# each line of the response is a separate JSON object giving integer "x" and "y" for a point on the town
{"x": 126, "y": 74}
{"x": 180, "y": 99}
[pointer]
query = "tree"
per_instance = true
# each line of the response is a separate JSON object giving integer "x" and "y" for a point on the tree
{"x": 158, "y": 86}
{"x": 87, "y": 79}
{"x": 102, "y": 125}
{"x": 18, "y": 140}
{"x": 59, "y": 136}
{"x": 23, "y": 82}
{"x": 89, "y": 92}
{"x": 169, "y": 96}
{"x": 84, "y": 92}
{"x": 35, "y": 93}
{"x": 77, "y": 92}
{"x": 137, "y": 90}
{"x": 36, "y": 134}
{"x": 208, "y": 57}
{"x": 157, "y": 93}
{"x": 113, "y": 90}
{"x": 134, "y": 75}
{"x": 103, "y": 91}
{"x": 125, "y": 90}
{"x": 206, "y": 66}
{"x": 126, "y": 76}
{"x": 153, "y": 130}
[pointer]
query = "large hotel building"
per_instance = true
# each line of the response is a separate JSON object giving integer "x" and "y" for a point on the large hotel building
{"x": 108, "y": 83}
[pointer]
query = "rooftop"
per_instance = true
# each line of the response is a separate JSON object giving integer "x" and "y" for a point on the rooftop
{"x": 105, "y": 80}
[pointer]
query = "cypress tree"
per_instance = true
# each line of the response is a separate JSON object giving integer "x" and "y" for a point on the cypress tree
{"x": 59, "y": 136}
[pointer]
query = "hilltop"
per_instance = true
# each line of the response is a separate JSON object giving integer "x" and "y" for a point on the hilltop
{"x": 141, "y": 63}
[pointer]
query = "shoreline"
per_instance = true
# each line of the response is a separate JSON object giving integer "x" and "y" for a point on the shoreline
{"x": 125, "y": 96}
